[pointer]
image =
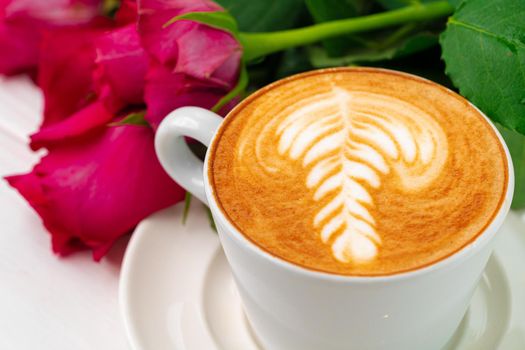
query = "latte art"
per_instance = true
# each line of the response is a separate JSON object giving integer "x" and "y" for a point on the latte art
{"x": 347, "y": 141}
{"x": 358, "y": 171}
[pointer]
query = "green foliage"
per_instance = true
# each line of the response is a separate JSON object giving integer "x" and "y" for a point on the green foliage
{"x": 426, "y": 64}
{"x": 187, "y": 204}
{"x": 516, "y": 145}
{"x": 218, "y": 20}
{"x": 259, "y": 45}
{"x": 328, "y": 10}
{"x": 210, "y": 219}
{"x": 325, "y": 10}
{"x": 417, "y": 42}
{"x": 293, "y": 61}
{"x": 110, "y": 7}
{"x": 264, "y": 15}
{"x": 134, "y": 118}
{"x": 394, "y": 4}
{"x": 484, "y": 50}
{"x": 455, "y": 3}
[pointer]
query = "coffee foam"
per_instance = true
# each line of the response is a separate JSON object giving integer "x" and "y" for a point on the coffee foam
{"x": 337, "y": 144}
{"x": 348, "y": 140}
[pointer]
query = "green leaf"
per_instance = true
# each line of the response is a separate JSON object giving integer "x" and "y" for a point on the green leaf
{"x": 455, "y": 3}
{"x": 187, "y": 204}
{"x": 237, "y": 90}
{"x": 210, "y": 218}
{"x": 264, "y": 15}
{"x": 110, "y": 7}
{"x": 395, "y": 4}
{"x": 219, "y": 20}
{"x": 327, "y": 10}
{"x": 484, "y": 50}
{"x": 415, "y": 43}
{"x": 135, "y": 118}
{"x": 426, "y": 64}
{"x": 516, "y": 144}
{"x": 292, "y": 61}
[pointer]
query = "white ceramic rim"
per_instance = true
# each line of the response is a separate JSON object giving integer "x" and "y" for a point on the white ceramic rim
{"x": 480, "y": 241}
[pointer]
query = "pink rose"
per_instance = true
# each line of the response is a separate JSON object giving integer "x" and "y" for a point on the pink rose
{"x": 127, "y": 12}
{"x": 98, "y": 181}
{"x": 65, "y": 70}
{"x": 23, "y": 21}
{"x": 106, "y": 77}
{"x": 95, "y": 189}
{"x": 121, "y": 68}
{"x": 190, "y": 63}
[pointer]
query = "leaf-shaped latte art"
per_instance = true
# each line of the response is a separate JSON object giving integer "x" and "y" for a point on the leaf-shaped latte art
{"x": 348, "y": 141}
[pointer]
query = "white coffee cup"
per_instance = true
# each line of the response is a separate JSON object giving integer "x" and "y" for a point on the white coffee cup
{"x": 293, "y": 308}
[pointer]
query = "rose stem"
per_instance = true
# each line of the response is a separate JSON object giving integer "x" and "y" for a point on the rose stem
{"x": 261, "y": 44}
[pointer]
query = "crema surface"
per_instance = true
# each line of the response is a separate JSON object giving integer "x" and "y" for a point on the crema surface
{"x": 358, "y": 171}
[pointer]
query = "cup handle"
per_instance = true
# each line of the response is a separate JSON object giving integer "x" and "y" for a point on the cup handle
{"x": 174, "y": 154}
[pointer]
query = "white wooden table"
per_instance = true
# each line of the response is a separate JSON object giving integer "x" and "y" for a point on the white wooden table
{"x": 46, "y": 302}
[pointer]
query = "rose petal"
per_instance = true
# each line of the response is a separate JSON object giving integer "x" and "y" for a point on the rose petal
{"x": 65, "y": 73}
{"x": 228, "y": 71}
{"x": 166, "y": 91}
{"x": 190, "y": 63}
{"x": 127, "y": 12}
{"x": 22, "y": 23}
{"x": 54, "y": 12}
{"x": 186, "y": 46}
{"x": 203, "y": 51}
{"x": 17, "y": 38}
{"x": 121, "y": 68}
{"x": 31, "y": 189}
{"x": 86, "y": 120}
{"x": 90, "y": 192}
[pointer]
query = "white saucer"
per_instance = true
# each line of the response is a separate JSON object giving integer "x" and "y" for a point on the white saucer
{"x": 177, "y": 293}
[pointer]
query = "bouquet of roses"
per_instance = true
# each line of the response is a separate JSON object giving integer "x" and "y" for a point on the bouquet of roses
{"x": 110, "y": 71}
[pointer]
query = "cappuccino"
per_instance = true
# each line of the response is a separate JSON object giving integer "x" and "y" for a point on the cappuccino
{"x": 358, "y": 171}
